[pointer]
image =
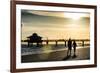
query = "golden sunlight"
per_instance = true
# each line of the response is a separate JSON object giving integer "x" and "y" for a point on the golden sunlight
{"x": 73, "y": 16}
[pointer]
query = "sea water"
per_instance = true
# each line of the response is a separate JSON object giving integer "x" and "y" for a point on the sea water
{"x": 51, "y": 47}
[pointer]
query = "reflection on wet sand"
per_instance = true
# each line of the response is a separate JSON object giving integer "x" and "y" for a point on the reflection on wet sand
{"x": 52, "y": 53}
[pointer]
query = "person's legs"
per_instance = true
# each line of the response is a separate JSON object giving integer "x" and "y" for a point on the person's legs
{"x": 74, "y": 52}
{"x": 68, "y": 52}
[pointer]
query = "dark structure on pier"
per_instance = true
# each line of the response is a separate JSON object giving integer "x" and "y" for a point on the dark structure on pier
{"x": 34, "y": 38}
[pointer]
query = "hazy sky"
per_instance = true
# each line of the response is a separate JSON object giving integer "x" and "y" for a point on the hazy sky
{"x": 55, "y": 25}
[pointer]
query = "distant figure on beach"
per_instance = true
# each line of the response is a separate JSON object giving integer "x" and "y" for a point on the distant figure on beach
{"x": 69, "y": 47}
{"x": 74, "y": 46}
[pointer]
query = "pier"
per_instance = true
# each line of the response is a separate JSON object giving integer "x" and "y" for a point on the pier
{"x": 61, "y": 40}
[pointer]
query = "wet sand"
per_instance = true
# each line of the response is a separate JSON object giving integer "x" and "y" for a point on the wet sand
{"x": 58, "y": 54}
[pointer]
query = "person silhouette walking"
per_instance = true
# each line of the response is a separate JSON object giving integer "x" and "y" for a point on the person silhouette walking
{"x": 69, "y": 47}
{"x": 74, "y": 46}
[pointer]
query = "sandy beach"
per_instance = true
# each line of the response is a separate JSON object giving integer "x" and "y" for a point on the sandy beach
{"x": 53, "y": 53}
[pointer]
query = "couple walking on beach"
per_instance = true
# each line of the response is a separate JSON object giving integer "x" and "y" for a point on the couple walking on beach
{"x": 70, "y": 45}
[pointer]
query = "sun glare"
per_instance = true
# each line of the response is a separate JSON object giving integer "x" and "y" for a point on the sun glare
{"x": 73, "y": 16}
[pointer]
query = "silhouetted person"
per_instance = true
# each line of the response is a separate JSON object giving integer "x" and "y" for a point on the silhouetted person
{"x": 74, "y": 46}
{"x": 69, "y": 47}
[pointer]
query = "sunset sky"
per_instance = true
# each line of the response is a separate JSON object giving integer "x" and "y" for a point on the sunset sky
{"x": 55, "y": 25}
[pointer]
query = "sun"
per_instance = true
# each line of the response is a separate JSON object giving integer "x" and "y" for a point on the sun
{"x": 74, "y": 16}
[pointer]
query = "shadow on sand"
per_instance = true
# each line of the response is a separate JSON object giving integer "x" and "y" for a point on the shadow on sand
{"x": 68, "y": 57}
